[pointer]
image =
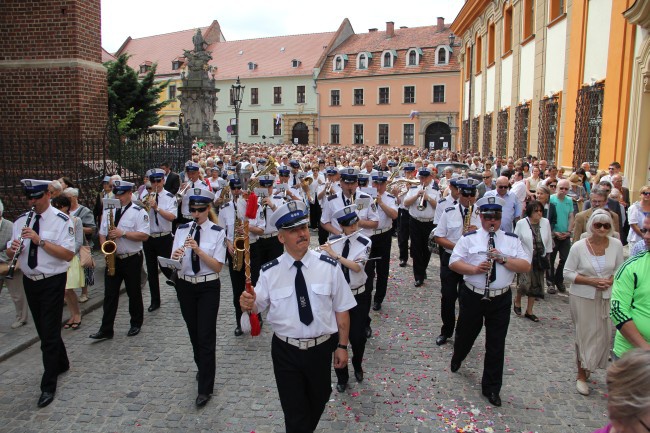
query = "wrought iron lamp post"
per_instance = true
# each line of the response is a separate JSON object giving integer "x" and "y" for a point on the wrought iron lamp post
{"x": 237, "y": 94}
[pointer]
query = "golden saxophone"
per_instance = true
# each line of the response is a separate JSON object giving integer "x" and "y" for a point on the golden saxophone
{"x": 468, "y": 218}
{"x": 239, "y": 244}
{"x": 149, "y": 201}
{"x": 225, "y": 195}
{"x": 109, "y": 247}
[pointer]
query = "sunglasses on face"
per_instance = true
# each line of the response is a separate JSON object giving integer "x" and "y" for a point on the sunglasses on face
{"x": 486, "y": 177}
{"x": 467, "y": 194}
{"x": 198, "y": 209}
{"x": 492, "y": 216}
{"x": 156, "y": 180}
{"x": 644, "y": 231}
{"x": 599, "y": 226}
{"x": 563, "y": 188}
{"x": 552, "y": 185}
{"x": 646, "y": 193}
{"x": 235, "y": 187}
{"x": 502, "y": 186}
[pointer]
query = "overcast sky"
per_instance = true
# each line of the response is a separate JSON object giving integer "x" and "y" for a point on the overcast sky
{"x": 248, "y": 19}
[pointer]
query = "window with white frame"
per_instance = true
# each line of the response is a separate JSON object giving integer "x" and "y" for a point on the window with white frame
{"x": 384, "y": 95}
{"x": 277, "y": 127}
{"x": 383, "y": 133}
{"x": 335, "y": 134}
{"x": 413, "y": 56}
{"x": 439, "y": 93}
{"x": 409, "y": 94}
{"x": 362, "y": 61}
{"x": 358, "y": 133}
{"x": 409, "y": 134}
{"x": 300, "y": 94}
{"x": 340, "y": 61}
{"x": 388, "y": 58}
{"x": 254, "y": 127}
{"x": 358, "y": 97}
{"x": 335, "y": 97}
{"x": 442, "y": 55}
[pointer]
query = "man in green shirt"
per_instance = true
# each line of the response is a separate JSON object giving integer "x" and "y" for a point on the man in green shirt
{"x": 630, "y": 310}
{"x": 562, "y": 226}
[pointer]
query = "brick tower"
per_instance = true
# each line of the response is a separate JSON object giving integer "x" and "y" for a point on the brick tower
{"x": 53, "y": 81}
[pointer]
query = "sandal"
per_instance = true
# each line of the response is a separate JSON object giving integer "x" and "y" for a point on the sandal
{"x": 74, "y": 326}
{"x": 531, "y": 317}
{"x": 517, "y": 310}
{"x": 68, "y": 325}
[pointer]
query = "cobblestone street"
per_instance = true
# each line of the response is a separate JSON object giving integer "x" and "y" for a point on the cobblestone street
{"x": 146, "y": 383}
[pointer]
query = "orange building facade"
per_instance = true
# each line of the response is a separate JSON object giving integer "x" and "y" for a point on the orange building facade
{"x": 397, "y": 87}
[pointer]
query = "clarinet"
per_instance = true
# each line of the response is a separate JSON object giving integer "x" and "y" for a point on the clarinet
{"x": 486, "y": 292}
{"x": 174, "y": 277}
{"x": 14, "y": 261}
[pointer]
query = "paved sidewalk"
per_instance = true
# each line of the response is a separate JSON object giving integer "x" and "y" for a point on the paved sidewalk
{"x": 146, "y": 383}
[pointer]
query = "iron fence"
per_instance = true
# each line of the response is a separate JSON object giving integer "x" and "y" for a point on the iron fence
{"x": 548, "y": 128}
{"x": 589, "y": 119}
{"x": 475, "y": 128}
{"x": 522, "y": 122}
{"x": 465, "y": 136}
{"x": 502, "y": 132}
{"x": 487, "y": 134}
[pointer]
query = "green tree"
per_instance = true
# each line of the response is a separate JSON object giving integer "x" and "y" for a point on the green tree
{"x": 133, "y": 103}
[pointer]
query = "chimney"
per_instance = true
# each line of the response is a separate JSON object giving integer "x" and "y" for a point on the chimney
{"x": 390, "y": 29}
{"x": 372, "y": 30}
{"x": 441, "y": 24}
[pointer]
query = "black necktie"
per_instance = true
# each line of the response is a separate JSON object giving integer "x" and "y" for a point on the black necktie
{"x": 32, "y": 258}
{"x": 344, "y": 254}
{"x": 493, "y": 273}
{"x": 294, "y": 180}
{"x": 155, "y": 213}
{"x": 196, "y": 264}
{"x": 465, "y": 213}
{"x": 120, "y": 213}
{"x": 304, "y": 307}
{"x": 455, "y": 202}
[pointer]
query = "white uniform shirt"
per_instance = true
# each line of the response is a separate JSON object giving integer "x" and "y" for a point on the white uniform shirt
{"x": 429, "y": 211}
{"x": 328, "y": 292}
{"x": 227, "y": 216}
{"x": 54, "y": 227}
{"x": 212, "y": 241}
{"x": 185, "y": 204}
{"x": 451, "y": 223}
{"x": 166, "y": 202}
{"x": 443, "y": 204}
{"x": 359, "y": 249}
{"x": 334, "y": 189}
{"x": 337, "y": 202}
{"x": 264, "y": 213}
{"x": 636, "y": 216}
{"x": 134, "y": 219}
{"x": 471, "y": 249}
{"x": 384, "y": 221}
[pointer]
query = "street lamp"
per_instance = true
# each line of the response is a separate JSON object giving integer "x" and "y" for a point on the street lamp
{"x": 237, "y": 94}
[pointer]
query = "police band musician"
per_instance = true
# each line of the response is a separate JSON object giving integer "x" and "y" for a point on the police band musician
{"x": 163, "y": 209}
{"x": 456, "y": 220}
{"x": 323, "y": 192}
{"x": 403, "y": 233}
{"x": 200, "y": 245}
{"x": 129, "y": 230}
{"x": 193, "y": 181}
{"x": 488, "y": 259}
{"x": 351, "y": 249}
{"x": 44, "y": 240}
{"x": 308, "y": 299}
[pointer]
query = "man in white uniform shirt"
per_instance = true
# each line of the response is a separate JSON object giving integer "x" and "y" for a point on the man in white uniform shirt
{"x": 403, "y": 215}
{"x": 131, "y": 229}
{"x": 193, "y": 181}
{"x": 48, "y": 246}
{"x": 421, "y": 202}
{"x": 485, "y": 295}
{"x": 162, "y": 211}
{"x": 330, "y": 187}
{"x": 308, "y": 301}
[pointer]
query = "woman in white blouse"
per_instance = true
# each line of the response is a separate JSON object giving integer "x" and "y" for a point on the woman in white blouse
{"x": 590, "y": 268}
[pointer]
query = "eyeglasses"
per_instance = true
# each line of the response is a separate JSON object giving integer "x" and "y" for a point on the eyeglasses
{"x": 502, "y": 186}
{"x": 552, "y": 185}
{"x": 156, "y": 180}
{"x": 538, "y": 210}
{"x": 486, "y": 177}
{"x": 611, "y": 168}
{"x": 599, "y": 226}
{"x": 467, "y": 194}
{"x": 235, "y": 187}
{"x": 198, "y": 209}
{"x": 492, "y": 216}
{"x": 645, "y": 193}
{"x": 643, "y": 231}
{"x": 563, "y": 188}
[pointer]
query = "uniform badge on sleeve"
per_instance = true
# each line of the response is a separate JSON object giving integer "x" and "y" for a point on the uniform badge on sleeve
{"x": 70, "y": 231}
{"x": 146, "y": 218}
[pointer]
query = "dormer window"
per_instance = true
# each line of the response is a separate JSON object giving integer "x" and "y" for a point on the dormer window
{"x": 252, "y": 66}
{"x": 177, "y": 64}
{"x": 388, "y": 58}
{"x": 145, "y": 67}
{"x": 363, "y": 60}
{"x": 413, "y": 56}
{"x": 295, "y": 63}
{"x": 340, "y": 61}
{"x": 442, "y": 55}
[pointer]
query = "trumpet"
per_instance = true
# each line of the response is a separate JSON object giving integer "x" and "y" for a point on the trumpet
{"x": 491, "y": 245}
{"x": 403, "y": 184}
{"x": 328, "y": 189}
{"x": 421, "y": 202}
{"x": 181, "y": 192}
{"x": 14, "y": 260}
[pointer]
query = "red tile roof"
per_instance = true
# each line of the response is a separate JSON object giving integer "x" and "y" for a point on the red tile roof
{"x": 426, "y": 38}
{"x": 106, "y": 56}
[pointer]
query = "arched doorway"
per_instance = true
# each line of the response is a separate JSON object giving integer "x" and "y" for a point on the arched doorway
{"x": 436, "y": 135}
{"x": 301, "y": 133}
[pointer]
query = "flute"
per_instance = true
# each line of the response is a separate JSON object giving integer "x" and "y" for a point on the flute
{"x": 14, "y": 261}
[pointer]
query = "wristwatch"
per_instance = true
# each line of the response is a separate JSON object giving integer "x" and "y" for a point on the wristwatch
{"x": 342, "y": 346}
{"x": 41, "y": 243}
{"x": 505, "y": 260}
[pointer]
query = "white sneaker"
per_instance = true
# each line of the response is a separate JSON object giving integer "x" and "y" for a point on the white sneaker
{"x": 17, "y": 324}
{"x": 83, "y": 298}
{"x": 582, "y": 387}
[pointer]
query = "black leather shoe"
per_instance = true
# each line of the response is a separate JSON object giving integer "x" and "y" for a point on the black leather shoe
{"x": 153, "y": 307}
{"x": 202, "y": 399}
{"x": 64, "y": 369}
{"x": 368, "y": 332}
{"x": 493, "y": 398}
{"x": 45, "y": 399}
{"x": 376, "y": 306}
{"x": 101, "y": 335}
{"x": 135, "y": 330}
{"x": 358, "y": 374}
{"x": 454, "y": 365}
{"x": 561, "y": 288}
{"x": 402, "y": 263}
{"x": 418, "y": 283}
{"x": 238, "y": 332}
{"x": 442, "y": 339}
{"x": 341, "y": 387}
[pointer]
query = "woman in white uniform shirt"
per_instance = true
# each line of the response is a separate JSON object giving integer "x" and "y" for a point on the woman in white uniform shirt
{"x": 198, "y": 287}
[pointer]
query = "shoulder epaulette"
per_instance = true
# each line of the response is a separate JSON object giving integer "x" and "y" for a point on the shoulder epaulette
{"x": 269, "y": 265}
{"x": 277, "y": 196}
{"x": 216, "y": 227}
{"x": 137, "y": 207}
{"x": 391, "y": 196}
{"x": 470, "y": 233}
{"x": 442, "y": 200}
{"x": 449, "y": 208}
{"x": 363, "y": 195}
{"x": 414, "y": 186}
{"x": 25, "y": 214}
{"x": 363, "y": 240}
{"x": 331, "y": 238}
{"x": 328, "y": 259}
{"x": 331, "y": 197}
{"x": 184, "y": 226}
{"x": 63, "y": 216}
{"x": 225, "y": 205}
{"x": 169, "y": 194}
{"x": 511, "y": 234}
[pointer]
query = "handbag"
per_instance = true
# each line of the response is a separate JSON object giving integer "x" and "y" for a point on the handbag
{"x": 540, "y": 261}
{"x": 86, "y": 257}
